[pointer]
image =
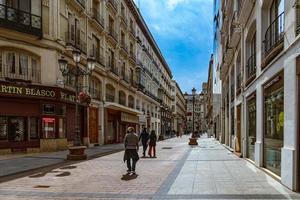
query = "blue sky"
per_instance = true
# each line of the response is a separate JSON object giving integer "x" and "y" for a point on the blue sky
{"x": 183, "y": 30}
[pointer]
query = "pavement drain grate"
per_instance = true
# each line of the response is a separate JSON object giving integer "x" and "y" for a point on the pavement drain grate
{"x": 167, "y": 148}
{"x": 42, "y": 186}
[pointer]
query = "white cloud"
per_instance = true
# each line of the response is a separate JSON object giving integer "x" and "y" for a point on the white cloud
{"x": 173, "y": 3}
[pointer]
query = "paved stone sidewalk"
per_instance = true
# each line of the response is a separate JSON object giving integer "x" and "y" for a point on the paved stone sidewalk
{"x": 16, "y": 164}
{"x": 208, "y": 171}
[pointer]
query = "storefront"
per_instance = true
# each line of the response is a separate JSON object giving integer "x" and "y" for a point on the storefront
{"x": 35, "y": 118}
{"x": 251, "y": 126}
{"x": 117, "y": 119}
{"x": 273, "y": 123}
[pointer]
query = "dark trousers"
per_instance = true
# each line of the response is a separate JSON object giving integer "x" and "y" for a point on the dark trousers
{"x": 131, "y": 168}
{"x": 152, "y": 148}
{"x": 144, "y": 148}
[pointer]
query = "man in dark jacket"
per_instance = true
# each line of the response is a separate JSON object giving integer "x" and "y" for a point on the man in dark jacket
{"x": 145, "y": 137}
{"x": 131, "y": 143}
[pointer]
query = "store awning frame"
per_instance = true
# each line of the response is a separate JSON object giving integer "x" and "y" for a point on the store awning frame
{"x": 118, "y": 107}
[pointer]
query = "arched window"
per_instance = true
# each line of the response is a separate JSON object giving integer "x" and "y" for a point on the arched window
{"x": 110, "y": 93}
{"x": 122, "y": 98}
{"x": 19, "y": 65}
{"x": 130, "y": 101}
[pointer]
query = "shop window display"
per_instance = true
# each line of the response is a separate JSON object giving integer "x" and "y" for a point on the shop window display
{"x": 273, "y": 130}
{"x": 251, "y": 128}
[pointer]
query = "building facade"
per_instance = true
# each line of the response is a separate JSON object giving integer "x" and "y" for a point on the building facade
{"x": 38, "y": 103}
{"x": 195, "y": 112}
{"x": 178, "y": 109}
{"x": 260, "y": 84}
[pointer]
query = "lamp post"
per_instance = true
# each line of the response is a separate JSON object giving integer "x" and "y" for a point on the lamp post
{"x": 76, "y": 152}
{"x": 193, "y": 139}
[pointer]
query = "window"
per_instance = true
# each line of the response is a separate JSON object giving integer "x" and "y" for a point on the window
{"x": 19, "y": 65}
{"x": 48, "y": 126}
{"x": 3, "y": 128}
{"x": 251, "y": 139}
{"x": 11, "y": 62}
{"x": 33, "y": 127}
{"x": 23, "y": 64}
{"x": 61, "y": 128}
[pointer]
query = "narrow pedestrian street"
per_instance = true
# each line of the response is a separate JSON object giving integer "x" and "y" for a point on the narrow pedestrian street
{"x": 180, "y": 171}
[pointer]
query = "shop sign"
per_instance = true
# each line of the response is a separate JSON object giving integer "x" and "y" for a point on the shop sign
{"x": 26, "y": 91}
{"x": 129, "y": 118}
{"x": 67, "y": 97}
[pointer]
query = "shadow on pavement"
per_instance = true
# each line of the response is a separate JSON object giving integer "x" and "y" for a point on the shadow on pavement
{"x": 128, "y": 177}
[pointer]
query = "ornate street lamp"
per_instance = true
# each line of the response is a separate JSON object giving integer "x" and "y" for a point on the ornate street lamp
{"x": 193, "y": 139}
{"x": 76, "y": 152}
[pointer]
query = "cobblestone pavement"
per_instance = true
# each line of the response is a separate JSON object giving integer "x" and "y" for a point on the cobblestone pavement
{"x": 207, "y": 171}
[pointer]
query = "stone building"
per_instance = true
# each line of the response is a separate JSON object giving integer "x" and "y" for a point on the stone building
{"x": 38, "y": 103}
{"x": 260, "y": 84}
{"x": 178, "y": 109}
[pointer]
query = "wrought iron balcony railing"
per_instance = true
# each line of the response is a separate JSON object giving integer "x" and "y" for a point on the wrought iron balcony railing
{"x": 74, "y": 40}
{"x": 113, "y": 3}
{"x": 251, "y": 67}
{"x": 112, "y": 33}
{"x": 112, "y": 67}
{"x": 20, "y": 20}
{"x": 124, "y": 46}
{"x": 97, "y": 55}
{"x": 274, "y": 34}
{"x": 21, "y": 74}
{"x": 82, "y": 3}
{"x": 97, "y": 16}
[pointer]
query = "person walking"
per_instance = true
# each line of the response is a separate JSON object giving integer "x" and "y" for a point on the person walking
{"x": 131, "y": 143}
{"x": 145, "y": 137}
{"x": 152, "y": 144}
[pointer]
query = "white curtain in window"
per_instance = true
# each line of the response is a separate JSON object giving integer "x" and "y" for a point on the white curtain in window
{"x": 23, "y": 66}
{"x": 10, "y": 61}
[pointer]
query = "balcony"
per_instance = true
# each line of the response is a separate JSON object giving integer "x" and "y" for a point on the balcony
{"x": 98, "y": 57}
{"x": 251, "y": 69}
{"x": 234, "y": 32}
{"x": 112, "y": 67}
{"x": 228, "y": 55}
{"x": 113, "y": 5}
{"x": 124, "y": 47}
{"x": 274, "y": 38}
{"x": 112, "y": 34}
{"x": 73, "y": 39}
{"x": 21, "y": 21}
{"x": 244, "y": 8}
{"x": 132, "y": 57}
{"x": 25, "y": 75}
{"x": 132, "y": 31}
{"x": 79, "y": 5}
{"x": 98, "y": 19}
{"x": 82, "y": 3}
{"x": 124, "y": 19}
